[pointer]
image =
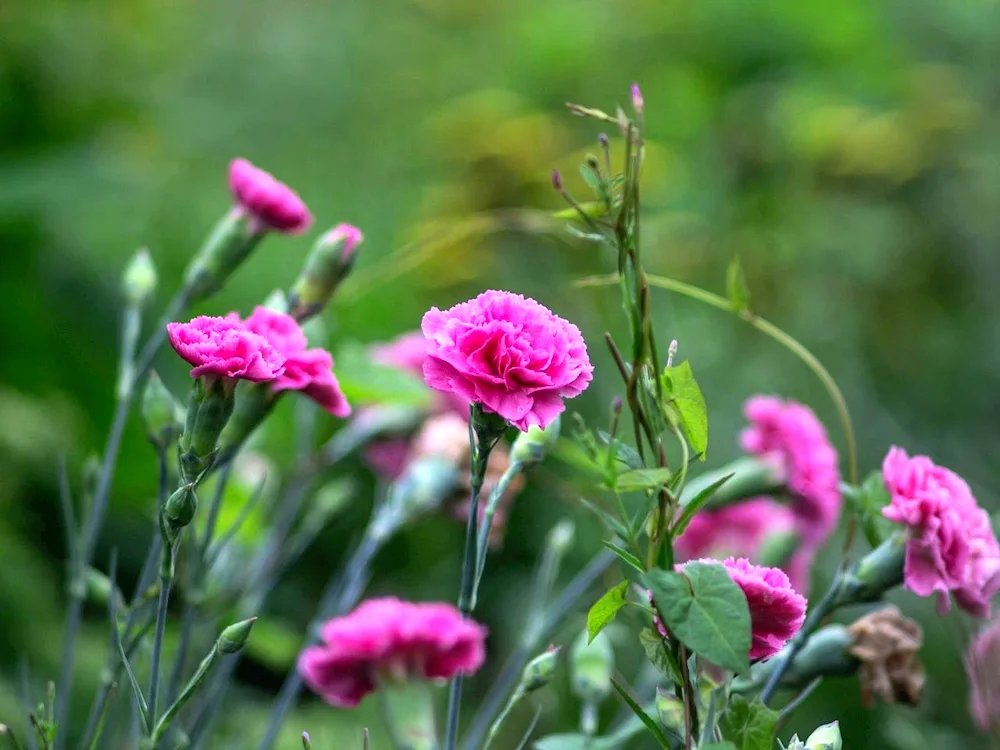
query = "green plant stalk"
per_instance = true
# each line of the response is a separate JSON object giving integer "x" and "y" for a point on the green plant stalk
{"x": 515, "y": 698}
{"x": 99, "y": 505}
{"x": 483, "y": 540}
{"x": 480, "y": 454}
{"x": 768, "y": 329}
{"x": 193, "y": 684}
{"x": 166, "y": 580}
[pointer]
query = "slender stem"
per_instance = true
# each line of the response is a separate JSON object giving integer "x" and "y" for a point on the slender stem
{"x": 502, "y": 717}
{"x": 199, "y": 677}
{"x": 826, "y": 605}
{"x": 103, "y": 718}
{"x": 799, "y": 699}
{"x": 339, "y": 596}
{"x": 511, "y": 672}
{"x": 480, "y": 452}
{"x": 687, "y": 690}
{"x": 161, "y": 623}
{"x": 483, "y": 539}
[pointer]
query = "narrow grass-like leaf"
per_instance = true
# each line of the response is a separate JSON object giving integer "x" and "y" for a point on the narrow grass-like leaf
{"x": 625, "y": 556}
{"x": 645, "y": 718}
{"x": 696, "y": 504}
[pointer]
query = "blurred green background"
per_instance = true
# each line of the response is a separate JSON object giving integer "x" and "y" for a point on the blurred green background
{"x": 849, "y": 152}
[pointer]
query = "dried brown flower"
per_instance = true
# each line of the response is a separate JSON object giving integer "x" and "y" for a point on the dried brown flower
{"x": 886, "y": 643}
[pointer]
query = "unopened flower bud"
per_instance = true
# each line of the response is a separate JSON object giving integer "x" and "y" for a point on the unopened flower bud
{"x": 826, "y": 737}
{"x": 306, "y": 741}
{"x": 229, "y": 244}
{"x": 180, "y": 507}
{"x": 592, "y": 666}
{"x": 530, "y": 447}
{"x": 235, "y": 637}
{"x": 161, "y": 412}
{"x": 670, "y": 712}
{"x": 328, "y": 264}
{"x": 603, "y": 140}
{"x": 561, "y": 536}
{"x": 209, "y": 409}
{"x": 540, "y": 670}
{"x": 637, "y": 101}
{"x": 557, "y": 182}
{"x": 99, "y": 589}
{"x": 139, "y": 279}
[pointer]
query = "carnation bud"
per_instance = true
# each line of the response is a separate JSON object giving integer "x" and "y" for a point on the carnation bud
{"x": 603, "y": 140}
{"x": 139, "y": 279}
{"x": 826, "y": 737}
{"x": 161, "y": 412}
{"x": 180, "y": 507}
{"x": 423, "y": 487}
{"x": 592, "y": 666}
{"x": 876, "y": 573}
{"x": 99, "y": 589}
{"x": 328, "y": 264}
{"x": 557, "y": 182}
{"x": 230, "y": 243}
{"x": 637, "y": 101}
{"x": 209, "y": 408}
{"x": 235, "y": 637}
{"x": 670, "y": 712}
{"x": 561, "y": 536}
{"x": 306, "y": 741}
{"x": 530, "y": 447}
{"x": 540, "y": 670}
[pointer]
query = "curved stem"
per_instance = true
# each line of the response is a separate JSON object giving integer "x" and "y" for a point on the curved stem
{"x": 770, "y": 330}
{"x": 483, "y": 537}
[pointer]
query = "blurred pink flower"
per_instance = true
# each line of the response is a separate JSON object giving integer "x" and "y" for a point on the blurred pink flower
{"x": 950, "y": 548}
{"x": 307, "y": 370}
{"x": 387, "y": 458}
{"x": 982, "y": 665}
{"x": 271, "y": 203}
{"x": 790, "y": 434}
{"x": 391, "y": 639}
{"x": 777, "y": 611}
{"x": 509, "y": 353}
{"x": 224, "y": 347}
{"x": 406, "y": 352}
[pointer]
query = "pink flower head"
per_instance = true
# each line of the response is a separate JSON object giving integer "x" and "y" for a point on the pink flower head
{"x": 347, "y": 236}
{"x": 950, "y": 548}
{"x": 789, "y": 434}
{"x": 777, "y": 611}
{"x": 509, "y": 353}
{"x": 271, "y": 203}
{"x": 982, "y": 665}
{"x": 225, "y": 348}
{"x": 307, "y": 370}
{"x": 389, "y": 638}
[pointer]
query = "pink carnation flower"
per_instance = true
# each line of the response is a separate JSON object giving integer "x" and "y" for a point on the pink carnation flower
{"x": 508, "y": 353}
{"x": 389, "y": 638}
{"x": 982, "y": 665}
{"x": 271, "y": 203}
{"x": 406, "y": 353}
{"x": 777, "y": 611}
{"x": 790, "y": 434}
{"x": 950, "y": 548}
{"x": 225, "y": 348}
{"x": 307, "y": 370}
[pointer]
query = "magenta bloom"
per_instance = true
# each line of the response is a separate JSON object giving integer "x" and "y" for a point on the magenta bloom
{"x": 508, "y": 353}
{"x": 272, "y": 204}
{"x": 225, "y": 348}
{"x": 406, "y": 353}
{"x": 389, "y": 638}
{"x": 982, "y": 665}
{"x": 950, "y": 546}
{"x": 307, "y": 370}
{"x": 790, "y": 434}
{"x": 777, "y": 611}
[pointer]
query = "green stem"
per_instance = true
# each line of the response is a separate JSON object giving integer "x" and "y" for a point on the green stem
{"x": 768, "y": 329}
{"x": 483, "y": 540}
{"x": 515, "y": 698}
{"x": 166, "y": 579}
{"x": 195, "y": 682}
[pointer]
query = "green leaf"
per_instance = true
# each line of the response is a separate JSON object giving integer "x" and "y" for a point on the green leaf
{"x": 623, "y": 451}
{"x": 683, "y": 393}
{"x": 751, "y": 726}
{"x": 365, "y": 382}
{"x": 867, "y": 502}
{"x": 656, "y": 652}
{"x": 651, "y": 724}
{"x": 706, "y": 611}
{"x": 696, "y": 504}
{"x": 605, "y": 610}
{"x": 643, "y": 479}
{"x": 736, "y": 286}
{"x": 609, "y": 520}
{"x": 625, "y": 556}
